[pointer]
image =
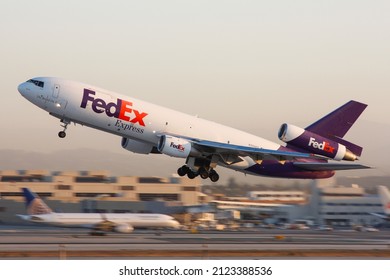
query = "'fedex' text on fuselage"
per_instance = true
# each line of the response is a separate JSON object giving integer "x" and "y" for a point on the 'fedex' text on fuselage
{"x": 325, "y": 146}
{"x": 122, "y": 109}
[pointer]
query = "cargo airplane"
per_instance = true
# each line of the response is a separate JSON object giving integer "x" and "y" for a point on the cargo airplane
{"x": 311, "y": 153}
{"x": 39, "y": 212}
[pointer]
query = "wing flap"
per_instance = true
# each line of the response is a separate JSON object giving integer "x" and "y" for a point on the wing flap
{"x": 256, "y": 154}
{"x": 326, "y": 166}
{"x": 382, "y": 216}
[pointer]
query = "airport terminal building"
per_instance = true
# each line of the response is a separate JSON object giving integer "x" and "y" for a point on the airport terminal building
{"x": 343, "y": 206}
{"x": 326, "y": 204}
{"x": 97, "y": 191}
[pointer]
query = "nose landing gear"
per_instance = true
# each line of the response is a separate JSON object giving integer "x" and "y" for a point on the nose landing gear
{"x": 62, "y": 133}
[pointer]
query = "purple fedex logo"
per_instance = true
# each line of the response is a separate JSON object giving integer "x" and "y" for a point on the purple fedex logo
{"x": 178, "y": 147}
{"x": 122, "y": 109}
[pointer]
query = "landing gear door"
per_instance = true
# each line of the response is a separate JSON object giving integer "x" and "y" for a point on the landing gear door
{"x": 56, "y": 91}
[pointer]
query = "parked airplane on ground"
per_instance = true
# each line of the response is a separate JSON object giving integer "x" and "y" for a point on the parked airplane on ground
{"x": 146, "y": 128}
{"x": 39, "y": 212}
{"x": 384, "y": 195}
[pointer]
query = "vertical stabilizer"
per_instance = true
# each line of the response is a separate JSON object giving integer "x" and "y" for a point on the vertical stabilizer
{"x": 336, "y": 124}
{"x": 34, "y": 204}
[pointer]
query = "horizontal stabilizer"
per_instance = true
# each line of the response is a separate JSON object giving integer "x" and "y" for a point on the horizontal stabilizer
{"x": 324, "y": 166}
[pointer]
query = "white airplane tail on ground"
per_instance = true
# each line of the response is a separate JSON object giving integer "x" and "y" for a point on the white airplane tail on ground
{"x": 34, "y": 204}
{"x": 384, "y": 195}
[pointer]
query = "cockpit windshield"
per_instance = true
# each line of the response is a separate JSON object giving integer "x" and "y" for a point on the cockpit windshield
{"x": 37, "y": 83}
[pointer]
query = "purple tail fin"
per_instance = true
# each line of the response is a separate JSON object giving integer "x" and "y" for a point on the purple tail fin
{"x": 337, "y": 123}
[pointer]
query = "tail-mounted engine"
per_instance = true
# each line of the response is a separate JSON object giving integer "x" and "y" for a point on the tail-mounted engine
{"x": 175, "y": 147}
{"x": 312, "y": 142}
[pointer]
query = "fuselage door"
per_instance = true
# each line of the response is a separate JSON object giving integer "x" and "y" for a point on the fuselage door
{"x": 56, "y": 91}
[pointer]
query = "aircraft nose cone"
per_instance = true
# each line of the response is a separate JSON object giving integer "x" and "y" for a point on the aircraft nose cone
{"x": 22, "y": 88}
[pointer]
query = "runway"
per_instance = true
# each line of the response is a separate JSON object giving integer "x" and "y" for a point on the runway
{"x": 54, "y": 243}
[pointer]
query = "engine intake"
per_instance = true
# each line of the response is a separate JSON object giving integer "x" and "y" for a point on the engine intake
{"x": 175, "y": 147}
{"x": 123, "y": 228}
{"x": 136, "y": 146}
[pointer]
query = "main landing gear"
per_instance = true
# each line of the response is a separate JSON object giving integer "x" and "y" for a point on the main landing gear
{"x": 62, "y": 133}
{"x": 202, "y": 172}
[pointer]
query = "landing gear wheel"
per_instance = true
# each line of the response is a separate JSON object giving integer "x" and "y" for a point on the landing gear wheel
{"x": 214, "y": 177}
{"x": 61, "y": 134}
{"x": 204, "y": 174}
{"x": 191, "y": 174}
{"x": 182, "y": 171}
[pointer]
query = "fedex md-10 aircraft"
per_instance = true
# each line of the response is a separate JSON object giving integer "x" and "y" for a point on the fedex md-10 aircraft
{"x": 311, "y": 153}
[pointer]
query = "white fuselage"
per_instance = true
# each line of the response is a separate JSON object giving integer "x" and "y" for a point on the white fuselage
{"x": 132, "y": 118}
{"x": 89, "y": 220}
{"x": 147, "y": 128}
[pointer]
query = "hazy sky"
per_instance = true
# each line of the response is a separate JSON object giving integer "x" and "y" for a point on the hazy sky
{"x": 249, "y": 64}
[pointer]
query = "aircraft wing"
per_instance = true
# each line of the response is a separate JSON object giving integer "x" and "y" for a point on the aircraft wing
{"x": 24, "y": 217}
{"x": 231, "y": 153}
{"x": 237, "y": 150}
{"x": 323, "y": 166}
{"x": 382, "y": 216}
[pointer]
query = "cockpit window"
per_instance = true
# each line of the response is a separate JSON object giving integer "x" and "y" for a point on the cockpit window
{"x": 36, "y": 82}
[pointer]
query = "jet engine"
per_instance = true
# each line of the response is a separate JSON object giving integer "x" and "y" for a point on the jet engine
{"x": 312, "y": 142}
{"x": 175, "y": 147}
{"x": 136, "y": 146}
{"x": 124, "y": 228}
